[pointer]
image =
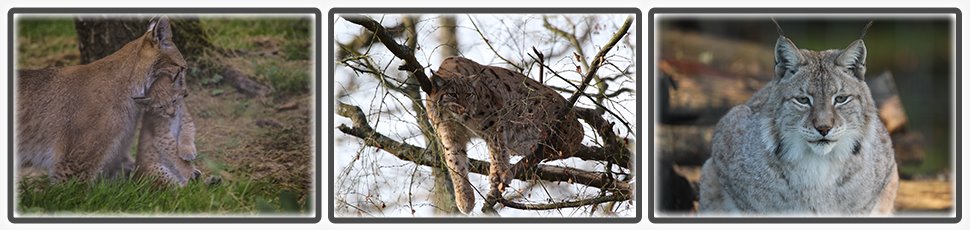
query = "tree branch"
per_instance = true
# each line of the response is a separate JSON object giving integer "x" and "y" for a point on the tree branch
{"x": 420, "y": 156}
{"x": 365, "y": 39}
{"x": 411, "y": 63}
{"x": 614, "y": 148}
{"x": 566, "y": 204}
{"x": 598, "y": 61}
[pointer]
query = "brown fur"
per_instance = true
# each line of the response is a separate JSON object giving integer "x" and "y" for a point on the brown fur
{"x": 166, "y": 144}
{"x": 513, "y": 113}
{"x": 78, "y": 121}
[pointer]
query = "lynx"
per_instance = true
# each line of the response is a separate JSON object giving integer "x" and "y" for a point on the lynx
{"x": 809, "y": 143}
{"x": 166, "y": 145}
{"x": 514, "y": 114}
{"x": 78, "y": 121}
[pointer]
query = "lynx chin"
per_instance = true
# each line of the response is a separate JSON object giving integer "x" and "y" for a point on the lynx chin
{"x": 809, "y": 143}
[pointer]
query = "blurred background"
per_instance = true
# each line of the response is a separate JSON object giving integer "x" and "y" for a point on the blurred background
{"x": 708, "y": 64}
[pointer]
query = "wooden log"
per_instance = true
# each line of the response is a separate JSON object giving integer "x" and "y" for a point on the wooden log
{"x": 924, "y": 195}
{"x": 912, "y": 196}
{"x": 884, "y": 93}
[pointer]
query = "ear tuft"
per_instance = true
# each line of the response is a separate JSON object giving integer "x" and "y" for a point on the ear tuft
{"x": 787, "y": 57}
{"x": 854, "y": 58}
{"x": 160, "y": 29}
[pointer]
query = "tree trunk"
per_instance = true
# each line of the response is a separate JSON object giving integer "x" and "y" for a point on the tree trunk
{"x": 100, "y": 36}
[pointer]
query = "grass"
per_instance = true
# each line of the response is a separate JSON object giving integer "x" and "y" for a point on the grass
{"x": 264, "y": 170}
{"x": 135, "y": 196}
{"x": 282, "y": 46}
{"x": 39, "y": 38}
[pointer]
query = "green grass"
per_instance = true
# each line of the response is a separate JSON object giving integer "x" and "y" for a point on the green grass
{"x": 46, "y": 27}
{"x": 288, "y": 70}
{"x": 43, "y": 42}
{"x": 292, "y": 32}
{"x": 285, "y": 76}
{"x": 135, "y": 196}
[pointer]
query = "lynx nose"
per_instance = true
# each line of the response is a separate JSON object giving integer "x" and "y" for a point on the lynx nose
{"x": 824, "y": 130}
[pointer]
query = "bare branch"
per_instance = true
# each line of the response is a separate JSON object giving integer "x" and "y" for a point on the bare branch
{"x": 489, "y": 44}
{"x": 365, "y": 39}
{"x": 566, "y": 204}
{"x": 608, "y": 95}
{"x": 420, "y": 156}
{"x": 614, "y": 150}
{"x": 411, "y": 63}
{"x": 598, "y": 61}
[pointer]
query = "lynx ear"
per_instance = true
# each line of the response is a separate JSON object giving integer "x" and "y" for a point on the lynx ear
{"x": 854, "y": 59}
{"x": 160, "y": 31}
{"x": 787, "y": 57}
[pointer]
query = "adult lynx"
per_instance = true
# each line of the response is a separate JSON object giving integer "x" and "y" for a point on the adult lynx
{"x": 513, "y": 113}
{"x": 78, "y": 121}
{"x": 809, "y": 143}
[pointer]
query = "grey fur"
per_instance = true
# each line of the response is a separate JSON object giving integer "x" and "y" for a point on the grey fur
{"x": 809, "y": 143}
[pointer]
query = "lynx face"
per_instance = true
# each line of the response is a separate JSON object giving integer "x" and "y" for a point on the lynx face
{"x": 164, "y": 96}
{"x": 824, "y": 99}
{"x": 451, "y": 97}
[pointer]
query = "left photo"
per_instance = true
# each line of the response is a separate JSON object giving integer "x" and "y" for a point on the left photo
{"x": 163, "y": 115}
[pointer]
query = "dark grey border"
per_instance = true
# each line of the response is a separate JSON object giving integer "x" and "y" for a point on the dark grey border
{"x": 888, "y": 11}
{"x": 491, "y": 220}
{"x": 255, "y": 219}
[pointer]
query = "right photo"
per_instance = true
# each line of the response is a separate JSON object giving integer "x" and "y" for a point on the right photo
{"x": 800, "y": 116}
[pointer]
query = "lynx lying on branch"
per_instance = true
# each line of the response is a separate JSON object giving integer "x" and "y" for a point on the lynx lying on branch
{"x": 809, "y": 143}
{"x": 513, "y": 113}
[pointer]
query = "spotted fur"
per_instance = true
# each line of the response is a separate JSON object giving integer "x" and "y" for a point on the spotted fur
{"x": 514, "y": 114}
{"x": 166, "y": 143}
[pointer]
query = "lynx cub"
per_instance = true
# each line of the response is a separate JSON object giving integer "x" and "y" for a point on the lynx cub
{"x": 166, "y": 144}
{"x": 808, "y": 143}
{"x": 513, "y": 113}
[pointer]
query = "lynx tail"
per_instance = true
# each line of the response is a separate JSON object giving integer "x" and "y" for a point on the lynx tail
{"x": 464, "y": 192}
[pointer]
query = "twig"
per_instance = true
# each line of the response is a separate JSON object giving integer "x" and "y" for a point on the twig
{"x": 411, "y": 63}
{"x": 541, "y": 61}
{"x": 489, "y": 44}
{"x": 598, "y": 61}
{"x": 572, "y": 40}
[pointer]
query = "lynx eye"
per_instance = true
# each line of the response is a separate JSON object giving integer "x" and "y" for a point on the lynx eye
{"x": 803, "y": 100}
{"x": 841, "y": 99}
